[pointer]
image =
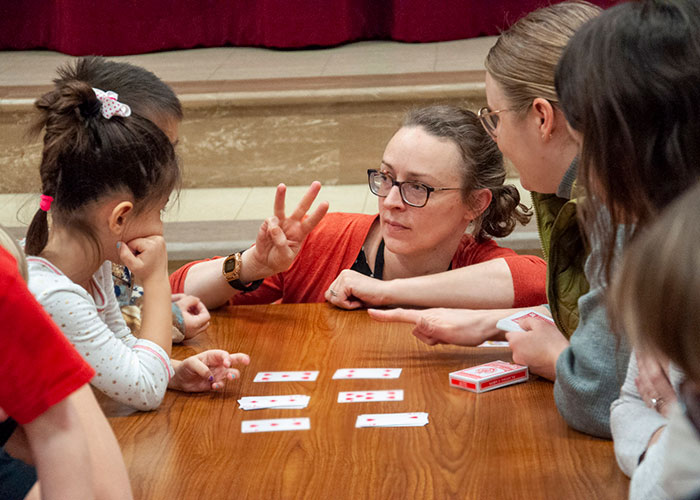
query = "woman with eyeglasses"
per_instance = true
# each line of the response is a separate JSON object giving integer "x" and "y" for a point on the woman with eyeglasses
{"x": 524, "y": 117}
{"x": 440, "y": 175}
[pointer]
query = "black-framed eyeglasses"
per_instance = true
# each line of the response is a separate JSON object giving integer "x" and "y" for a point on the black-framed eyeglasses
{"x": 413, "y": 193}
{"x": 489, "y": 119}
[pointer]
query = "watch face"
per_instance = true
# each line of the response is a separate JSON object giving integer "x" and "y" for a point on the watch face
{"x": 229, "y": 265}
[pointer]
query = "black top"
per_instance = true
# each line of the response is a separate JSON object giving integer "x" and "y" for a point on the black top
{"x": 362, "y": 267}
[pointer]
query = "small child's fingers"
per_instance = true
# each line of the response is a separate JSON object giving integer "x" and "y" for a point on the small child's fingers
{"x": 200, "y": 368}
{"x": 239, "y": 358}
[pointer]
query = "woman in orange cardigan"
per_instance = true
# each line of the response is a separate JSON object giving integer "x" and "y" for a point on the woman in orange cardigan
{"x": 440, "y": 175}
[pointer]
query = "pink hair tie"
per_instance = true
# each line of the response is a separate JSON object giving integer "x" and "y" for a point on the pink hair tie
{"x": 45, "y": 203}
{"x": 110, "y": 105}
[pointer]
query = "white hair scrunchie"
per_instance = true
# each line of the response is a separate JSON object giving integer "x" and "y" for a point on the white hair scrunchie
{"x": 110, "y": 105}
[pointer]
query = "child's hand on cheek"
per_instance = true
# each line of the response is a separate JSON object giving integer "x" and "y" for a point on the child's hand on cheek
{"x": 145, "y": 257}
{"x": 206, "y": 371}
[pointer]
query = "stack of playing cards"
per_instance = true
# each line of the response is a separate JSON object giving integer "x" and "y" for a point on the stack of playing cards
{"x": 367, "y": 373}
{"x": 488, "y": 376}
{"x": 392, "y": 420}
{"x": 307, "y": 376}
{"x": 276, "y": 424}
{"x": 293, "y": 402}
{"x": 370, "y": 396}
{"x": 512, "y": 323}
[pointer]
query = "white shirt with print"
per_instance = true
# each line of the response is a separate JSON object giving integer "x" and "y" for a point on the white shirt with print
{"x": 132, "y": 371}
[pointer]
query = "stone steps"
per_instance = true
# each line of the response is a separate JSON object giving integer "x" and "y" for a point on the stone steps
{"x": 256, "y": 132}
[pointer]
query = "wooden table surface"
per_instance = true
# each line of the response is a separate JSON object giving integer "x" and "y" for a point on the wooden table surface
{"x": 507, "y": 443}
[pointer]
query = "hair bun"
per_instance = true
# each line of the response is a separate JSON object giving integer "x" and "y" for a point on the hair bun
{"x": 90, "y": 107}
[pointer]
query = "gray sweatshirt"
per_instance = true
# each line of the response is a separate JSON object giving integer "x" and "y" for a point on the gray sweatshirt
{"x": 591, "y": 370}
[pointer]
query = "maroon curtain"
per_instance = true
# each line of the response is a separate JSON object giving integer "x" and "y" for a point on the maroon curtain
{"x": 81, "y": 27}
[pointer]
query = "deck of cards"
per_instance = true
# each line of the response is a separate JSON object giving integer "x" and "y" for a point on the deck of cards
{"x": 488, "y": 376}
{"x": 513, "y": 322}
{"x": 293, "y": 402}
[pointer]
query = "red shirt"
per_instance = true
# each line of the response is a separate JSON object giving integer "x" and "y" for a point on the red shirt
{"x": 39, "y": 366}
{"x": 334, "y": 244}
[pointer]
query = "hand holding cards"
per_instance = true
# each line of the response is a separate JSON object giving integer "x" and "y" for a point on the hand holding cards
{"x": 513, "y": 322}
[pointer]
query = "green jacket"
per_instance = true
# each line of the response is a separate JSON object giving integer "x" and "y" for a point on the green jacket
{"x": 565, "y": 251}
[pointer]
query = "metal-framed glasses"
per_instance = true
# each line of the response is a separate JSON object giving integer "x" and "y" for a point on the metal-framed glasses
{"x": 489, "y": 119}
{"x": 413, "y": 193}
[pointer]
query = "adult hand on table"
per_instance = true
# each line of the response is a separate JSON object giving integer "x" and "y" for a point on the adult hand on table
{"x": 465, "y": 327}
{"x": 280, "y": 237}
{"x": 653, "y": 382}
{"x": 351, "y": 290}
{"x": 538, "y": 347}
{"x": 206, "y": 371}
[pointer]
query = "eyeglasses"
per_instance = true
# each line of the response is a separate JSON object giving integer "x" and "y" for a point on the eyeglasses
{"x": 490, "y": 119}
{"x": 413, "y": 193}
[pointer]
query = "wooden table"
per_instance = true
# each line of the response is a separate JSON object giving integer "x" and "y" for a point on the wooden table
{"x": 508, "y": 443}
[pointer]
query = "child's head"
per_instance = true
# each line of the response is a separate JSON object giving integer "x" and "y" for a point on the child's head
{"x": 629, "y": 85}
{"x": 655, "y": 296}
{"x": 88, "y": 158}
{"x": 144, "y": 92}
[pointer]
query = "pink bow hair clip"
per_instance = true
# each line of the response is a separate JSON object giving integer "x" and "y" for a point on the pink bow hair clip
{"x": 110, "y": 105}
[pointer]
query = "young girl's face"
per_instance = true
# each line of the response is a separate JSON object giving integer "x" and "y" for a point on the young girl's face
{"x": 145, "y": 223}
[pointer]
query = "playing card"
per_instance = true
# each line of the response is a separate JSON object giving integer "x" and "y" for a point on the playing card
{"x": 276, "y": 424}
{"x": 295, "y": 401}
{"x": 367, "y": 373}
{"x": 307, "y": 376}
{"x": 513, "y": 322}
{"x": 370, "y": 396}
{"x": 495, "y": 343}
{"x": 392, "y": 420}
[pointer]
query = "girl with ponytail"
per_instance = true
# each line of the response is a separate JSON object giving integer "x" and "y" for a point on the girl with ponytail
{"x": 106, "y": 174}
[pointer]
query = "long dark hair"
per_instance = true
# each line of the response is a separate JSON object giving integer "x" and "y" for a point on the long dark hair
{"x": 482, "y": 164}
{"x": 86, "y": 157}
{"x": 656, "y": 291}
{"x": 629, "y": 82}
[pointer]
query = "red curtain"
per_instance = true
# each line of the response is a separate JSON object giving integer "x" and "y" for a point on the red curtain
{"x": 81, "y": 27}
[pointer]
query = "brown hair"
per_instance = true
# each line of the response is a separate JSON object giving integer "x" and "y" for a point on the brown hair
{"x": 525, "y": 56}
{"x": 482, "y": 166}
{"x": 86, "y": 157}
{"x": 146, "y": 94}
{"x": 629, "y": 82}
{"x": 655, "y": 295}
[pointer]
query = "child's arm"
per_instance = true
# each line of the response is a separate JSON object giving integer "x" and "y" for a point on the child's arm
{"x": 60, "y": 453}
{"x": 132, "y": 371}
{"x": 147, "y": 259}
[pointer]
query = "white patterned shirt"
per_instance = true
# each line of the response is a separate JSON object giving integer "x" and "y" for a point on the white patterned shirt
{"x": 132, "y": 371}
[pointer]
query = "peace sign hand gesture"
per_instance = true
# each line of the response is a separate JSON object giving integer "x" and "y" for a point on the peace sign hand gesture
{"x": 280, "y": 237}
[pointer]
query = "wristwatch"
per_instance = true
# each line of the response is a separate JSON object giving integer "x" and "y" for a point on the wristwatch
{"x": 232, "y": 272}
